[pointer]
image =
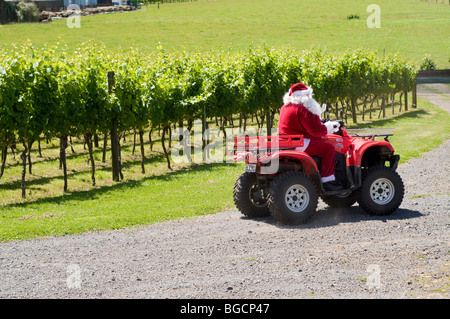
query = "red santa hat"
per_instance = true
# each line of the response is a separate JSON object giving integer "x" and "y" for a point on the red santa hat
{"x": 299, "y": 93}
{"x": 300, "y": 89}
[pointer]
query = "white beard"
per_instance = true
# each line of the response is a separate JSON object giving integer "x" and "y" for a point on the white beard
{"x": 306, "y": 100}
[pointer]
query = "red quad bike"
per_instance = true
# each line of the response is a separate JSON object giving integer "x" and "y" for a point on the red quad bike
{"x": 287, "y": 184}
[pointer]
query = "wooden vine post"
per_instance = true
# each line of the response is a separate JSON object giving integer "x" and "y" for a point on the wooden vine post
{"x": 114, "y": 135}
{"x": 414, "y": 94}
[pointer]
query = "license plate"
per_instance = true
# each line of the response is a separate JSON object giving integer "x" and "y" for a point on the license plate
{"x": 250, "y": 168}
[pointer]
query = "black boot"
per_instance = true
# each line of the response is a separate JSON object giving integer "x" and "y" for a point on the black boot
{"x": 331, "y": 187}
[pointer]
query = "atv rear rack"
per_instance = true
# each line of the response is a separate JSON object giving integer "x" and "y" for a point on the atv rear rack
{"x": 253, "y": 147}
{"x": 267, "y": 143}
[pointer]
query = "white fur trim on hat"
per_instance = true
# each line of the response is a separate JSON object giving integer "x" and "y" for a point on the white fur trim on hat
{"x": 308, "y": 91}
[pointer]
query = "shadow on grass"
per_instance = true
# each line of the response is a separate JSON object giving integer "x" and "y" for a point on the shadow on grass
{"x": 42, "y": 180}
{"x": 98, "y": 191}
{"x": 82, "y": 152}
{"x": 417, "y": 113}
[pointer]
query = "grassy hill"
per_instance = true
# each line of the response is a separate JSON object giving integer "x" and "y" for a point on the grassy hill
{"x": 412, "y": 28}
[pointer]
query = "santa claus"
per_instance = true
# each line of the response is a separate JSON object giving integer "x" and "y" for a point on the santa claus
{"x": 301, "y": 114}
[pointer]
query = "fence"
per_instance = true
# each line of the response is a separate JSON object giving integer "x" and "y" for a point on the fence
{"x": 429, "y": 76}
{"x": 447, "y": 2}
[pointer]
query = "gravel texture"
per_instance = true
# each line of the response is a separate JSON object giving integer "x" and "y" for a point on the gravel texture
{"x": 340, "y": 253}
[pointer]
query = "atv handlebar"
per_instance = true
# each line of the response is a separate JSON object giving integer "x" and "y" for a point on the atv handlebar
{"x": 342, "y": 130}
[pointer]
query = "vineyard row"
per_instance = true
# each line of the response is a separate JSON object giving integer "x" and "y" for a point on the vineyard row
{"x": 51, "y": 92}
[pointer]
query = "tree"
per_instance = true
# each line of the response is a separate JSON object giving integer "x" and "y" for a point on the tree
{"x": 29, "y": 93}
{"x": 92, "y": 66}
{"x": 66, "y": 121}
{"x": 131, "y": 112}
{"x": 263, "y": 83}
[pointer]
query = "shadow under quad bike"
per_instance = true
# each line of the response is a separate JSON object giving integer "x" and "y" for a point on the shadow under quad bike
{"x": 286, "y": 183}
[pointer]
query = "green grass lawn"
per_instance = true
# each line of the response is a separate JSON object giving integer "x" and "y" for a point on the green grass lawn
{"x": 412, "y": 28}
{"x": 202, "y": 189}
{"x": 159, "y": 194}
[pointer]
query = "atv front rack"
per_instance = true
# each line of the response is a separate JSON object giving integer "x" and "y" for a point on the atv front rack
{"x": 262, "y": 145}
{"x": 371, "y": 133}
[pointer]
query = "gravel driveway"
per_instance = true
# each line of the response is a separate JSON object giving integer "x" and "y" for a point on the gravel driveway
{"x": 340, "y": 253}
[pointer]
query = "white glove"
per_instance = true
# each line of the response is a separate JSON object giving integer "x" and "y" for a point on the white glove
{"x": 332, "y": 126}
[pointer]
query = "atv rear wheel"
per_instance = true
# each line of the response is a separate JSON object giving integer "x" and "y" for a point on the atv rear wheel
{"x": 248, "y": 197}
{"x": 381, "y": 191}
{"x": 292, "y": 198}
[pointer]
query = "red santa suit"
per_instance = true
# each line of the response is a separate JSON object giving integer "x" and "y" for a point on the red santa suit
{"x": 300, "y": 114}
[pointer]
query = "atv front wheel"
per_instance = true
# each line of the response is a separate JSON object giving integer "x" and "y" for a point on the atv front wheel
{"x": 381, "y": 191}
{"x": 292, "y": 198}
{"x": 248, "y": 197}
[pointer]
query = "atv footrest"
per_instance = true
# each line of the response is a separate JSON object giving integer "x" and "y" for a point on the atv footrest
{"x": 338, "y": 192}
